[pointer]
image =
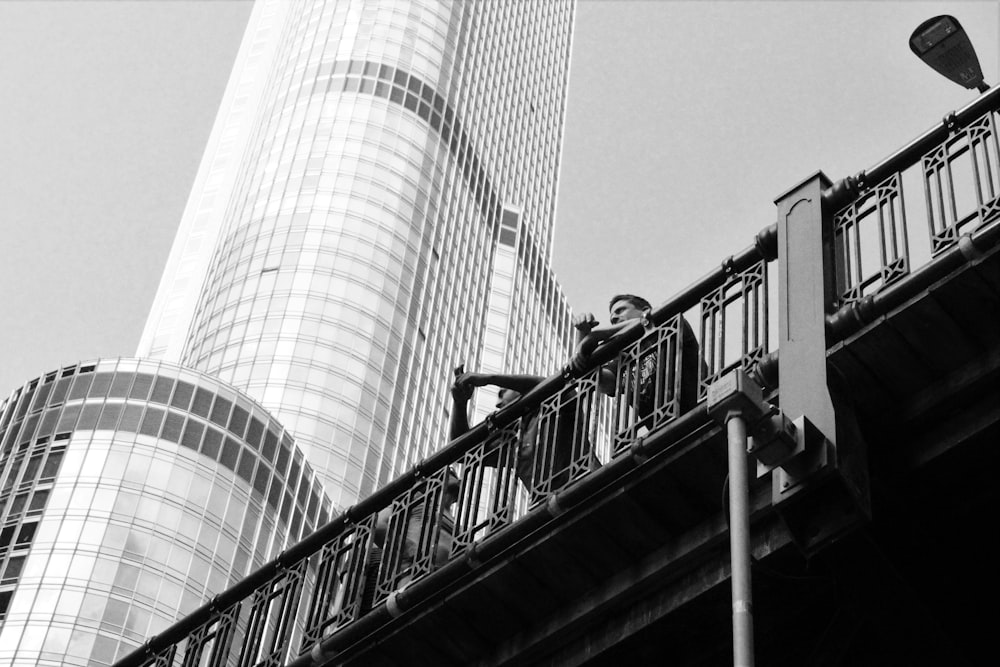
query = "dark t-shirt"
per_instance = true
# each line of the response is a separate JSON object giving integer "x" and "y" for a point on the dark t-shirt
{"x": 648, "y": 373}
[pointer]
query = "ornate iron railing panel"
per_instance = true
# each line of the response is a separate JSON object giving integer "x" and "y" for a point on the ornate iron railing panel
{"x": 734, "y": 325}
{"x": 166, "y": 659}
{"x": 345, "y": 581}
{"x": 487, "y": 497}
{"x": 560, "y": 439}
{"x": 647, "y": 377}
{"x": 878, "y": 239}
{"x": 273, "y": 609}
{"x": 418, "y": 532}
{"x": 960, "y": 180}
{"x": 207, "y": 646}
{"x": 871, "y": 241}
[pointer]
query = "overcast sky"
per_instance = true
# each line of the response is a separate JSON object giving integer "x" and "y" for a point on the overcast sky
{"x": 686, "y": 120}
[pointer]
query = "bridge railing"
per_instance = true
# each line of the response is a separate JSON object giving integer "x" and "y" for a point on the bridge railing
{"x": 511, "y": 472}
{"x": 514, "y": 464}
{"x": 890, "y": 221}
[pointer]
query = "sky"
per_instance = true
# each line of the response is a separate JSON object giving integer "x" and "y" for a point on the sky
{"x": 685, "y": 121}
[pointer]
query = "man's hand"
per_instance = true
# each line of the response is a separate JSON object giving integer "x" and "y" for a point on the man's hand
{"x": 589, "y": 336}
{"x": 583, "y": 323}
{"x": 466, "y": 383}
{"x": 461, "y": 392}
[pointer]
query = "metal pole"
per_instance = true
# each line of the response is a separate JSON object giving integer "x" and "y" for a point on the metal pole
{"x": 739, "y": 541}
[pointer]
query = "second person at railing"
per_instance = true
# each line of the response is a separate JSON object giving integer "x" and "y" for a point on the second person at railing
{"x": 552, "y": 443}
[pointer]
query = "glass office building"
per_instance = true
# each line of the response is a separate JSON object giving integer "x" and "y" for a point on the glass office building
{"x": 131, "y": 492}
{"x": 375, "y": 207}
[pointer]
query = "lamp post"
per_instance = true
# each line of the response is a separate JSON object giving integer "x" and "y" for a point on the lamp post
{"x": 943, "y": 44}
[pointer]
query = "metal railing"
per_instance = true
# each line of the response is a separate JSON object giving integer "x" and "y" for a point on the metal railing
{"x": 886, "y": 232}
{"x": 520, "y": 468}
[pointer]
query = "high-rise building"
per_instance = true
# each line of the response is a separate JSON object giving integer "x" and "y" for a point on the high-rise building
{"x": 131, "y": 492}
{"x": 375, "y": 206}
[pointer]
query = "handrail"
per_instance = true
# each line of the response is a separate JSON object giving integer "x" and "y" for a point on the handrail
{"x": 852, "y": 187}
{"x": 851, "y": 317}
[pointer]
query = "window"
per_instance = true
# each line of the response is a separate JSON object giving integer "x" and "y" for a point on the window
{"x": 162, "y": 389}
{"x": 5, "y": 597}
{"x": 99, "y": 388}
{"x": 182, "y": 395}
{"x": 80, "y": 386}
{"x": 210, "y": 446}
{"x": 230, "y": 452}
{"x": 202, "y": 402}
{"x": 12, "y": 571}
{"x": 120, "y": 385}
{"x": 141, "y": 386}
{"x": 220, "y": 412}
{"x": 238, "y": 421}
{"x": 192, "y": 434}
{"x": 151, "y": 422}
{"x": 131, "y": 418}
{"x": 109, "y": 417}
{"x": 6, "y": 535}
{"x": 26, "y": 535}
{"x": 173, "y": 426}
{"x": 52, "y": 464}
{"x": 38, "y": 501}
{"x": 34, "y": 463}
{"x": 17, "y": 505}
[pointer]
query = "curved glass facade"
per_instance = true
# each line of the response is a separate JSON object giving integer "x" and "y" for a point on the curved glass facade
{"x": 358, "y": 246}
{"x": 132, "y": 492}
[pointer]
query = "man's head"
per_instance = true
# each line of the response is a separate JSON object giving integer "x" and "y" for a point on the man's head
{"x": 624, "y": 307}
{"x": 506, "y": 396}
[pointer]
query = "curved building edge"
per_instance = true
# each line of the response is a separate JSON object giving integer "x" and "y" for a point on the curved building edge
{"x": 131, "y": 492}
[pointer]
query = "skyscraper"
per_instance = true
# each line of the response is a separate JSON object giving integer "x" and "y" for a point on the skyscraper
{"x": 132, "y": 492}
{"x": 375, "y": 206}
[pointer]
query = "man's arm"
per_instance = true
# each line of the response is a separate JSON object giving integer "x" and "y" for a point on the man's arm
{"x": 522, "y": 383}
{"x": 589, "y": 336}
{"x": 600, "y": 334}
{"x": 464, "y": 385}
{"x": 460, "y": 395}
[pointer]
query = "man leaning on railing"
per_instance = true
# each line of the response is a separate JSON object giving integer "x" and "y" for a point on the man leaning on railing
{"x": 624, "y": 309}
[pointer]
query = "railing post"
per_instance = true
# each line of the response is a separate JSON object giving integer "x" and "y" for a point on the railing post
{"x": 805, "y": 290}
{"x": 821, "y": 450}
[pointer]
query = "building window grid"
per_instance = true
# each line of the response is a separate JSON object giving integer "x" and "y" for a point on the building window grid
{"x": 474, "y": 44}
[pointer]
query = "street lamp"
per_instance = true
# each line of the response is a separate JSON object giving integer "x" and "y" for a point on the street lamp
{"x": 942, "y": 43}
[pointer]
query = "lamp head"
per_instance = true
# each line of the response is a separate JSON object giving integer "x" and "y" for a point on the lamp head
{"x": 943, "y": 44}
